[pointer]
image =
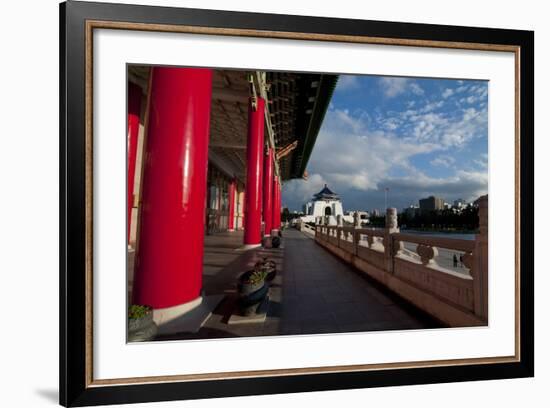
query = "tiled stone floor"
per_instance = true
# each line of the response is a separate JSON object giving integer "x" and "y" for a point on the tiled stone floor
{"x": 314, "y": 292}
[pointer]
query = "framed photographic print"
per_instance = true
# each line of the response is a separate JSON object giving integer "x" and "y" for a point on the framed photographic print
{"x": 256, "y": 203}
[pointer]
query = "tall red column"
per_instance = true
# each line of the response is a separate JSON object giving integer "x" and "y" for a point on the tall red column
{"x": 243, "y": 210}
{"x": 170, "y": 249}
{"x": 254, "y": 167}
{"x": 276, "y": 204}
{"x": 279, "y": 203}
{"x": 278, "y": 219}
{"x": 231, "y": 221}
{"x": 134, "y": 110}
{"x": 268, "y": 192}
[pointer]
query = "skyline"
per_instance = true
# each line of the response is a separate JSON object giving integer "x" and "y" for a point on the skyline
{"x": 414, "y": 136}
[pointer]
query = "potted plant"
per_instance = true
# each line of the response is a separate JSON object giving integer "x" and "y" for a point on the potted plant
{"x": 253, "y": 286}
{"x": 141, "y": 326}
{"x": 270, "y": 267}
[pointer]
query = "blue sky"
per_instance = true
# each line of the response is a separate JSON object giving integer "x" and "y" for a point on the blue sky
{"x": 415, "y": 136}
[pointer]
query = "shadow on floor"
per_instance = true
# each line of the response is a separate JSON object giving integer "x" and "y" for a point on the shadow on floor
{"x": 313, "y": 292}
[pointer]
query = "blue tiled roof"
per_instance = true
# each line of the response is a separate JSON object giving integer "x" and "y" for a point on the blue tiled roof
{"x": 326, "y": 193}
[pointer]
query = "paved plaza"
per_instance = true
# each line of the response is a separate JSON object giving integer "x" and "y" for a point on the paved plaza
{"x": 314, "y": 292}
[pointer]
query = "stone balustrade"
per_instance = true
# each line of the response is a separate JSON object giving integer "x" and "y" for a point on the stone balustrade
{"x": 306, "y": 228}
{"x": 454, "y": 298}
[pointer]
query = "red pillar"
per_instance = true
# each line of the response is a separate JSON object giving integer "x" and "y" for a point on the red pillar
{"x": 254, "y": 167}
{"x": 278, "y": 222}
{"x": 276, "y": 204}
{"x": 170, "y": 248}
{"x": 231, "y": 222}
{"x": 244, "y": 209}
{"x": 279, "y": 204}
{"x": 268, "y": 192}
{"x": 134, "y": 110}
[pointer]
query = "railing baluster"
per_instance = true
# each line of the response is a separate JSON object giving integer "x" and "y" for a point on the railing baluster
{"x": 479, "y": 268}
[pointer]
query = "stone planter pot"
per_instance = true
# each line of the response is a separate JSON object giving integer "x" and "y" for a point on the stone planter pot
{"x": 245, "y": 288}
{"x": 249, "y": 304}
{"x": 142, "y": 329}
{"x": 266, "y": 242}
{"x": 275, "y": 242}
{"x": 272, "y": 273}
{"x": 251, "y": 295}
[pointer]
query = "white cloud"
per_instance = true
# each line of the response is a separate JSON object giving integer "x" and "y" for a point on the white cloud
{"x": 416, "y": 89}
{"x": 358, "y": 154}
{"x": 466, "y": 184}
{"x": 351, "y": 156}
{"x": 300, "y": 191}
{"x": 482, "y": 162}
{"x": 444, "y": 129}
{"x": 391, "y": 123}
{"x": 474, "y": 94}
{"x": 431, "y": 106}
{"x": 447, "y": 93}
{"x": 347, "y": 82}
{"x": 395, "y": 86}
{"x": 443, "y": 161}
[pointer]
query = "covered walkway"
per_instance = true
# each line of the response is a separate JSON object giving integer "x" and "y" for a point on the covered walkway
{"x": 314, "y": 292}
{"x": 238, "y": 135}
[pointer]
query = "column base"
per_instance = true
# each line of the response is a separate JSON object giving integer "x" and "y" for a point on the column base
{"x": 266, "y": 241}
{"x": 246, "y": 247}
{"x": 163, "y": 317}
{"x": 193, "y": 319}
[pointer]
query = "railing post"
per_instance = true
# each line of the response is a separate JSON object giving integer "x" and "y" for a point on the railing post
{"x": 356, "y": 221}
{"x": 391, "y": 248}
{"x": 479, "y": 270}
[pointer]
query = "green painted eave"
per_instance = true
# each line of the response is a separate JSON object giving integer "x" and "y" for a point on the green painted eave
{"x": 327, "y": 84}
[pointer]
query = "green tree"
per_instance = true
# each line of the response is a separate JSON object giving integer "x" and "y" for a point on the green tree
{"x": 286, "y": 216}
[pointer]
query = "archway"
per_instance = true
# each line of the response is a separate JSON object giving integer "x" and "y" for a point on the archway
{"x": 328, "y": 211}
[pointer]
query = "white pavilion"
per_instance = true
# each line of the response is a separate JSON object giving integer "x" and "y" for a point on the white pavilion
{"x": 325, "y": 203}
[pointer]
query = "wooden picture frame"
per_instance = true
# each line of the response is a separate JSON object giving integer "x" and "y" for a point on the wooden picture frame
{"x": 78, "y": 20}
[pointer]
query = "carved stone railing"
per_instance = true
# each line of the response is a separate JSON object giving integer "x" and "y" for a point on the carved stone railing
{"x": 454, "y": 294}
{"x": 307, "y": 229}
{"x": 425, "y": 271}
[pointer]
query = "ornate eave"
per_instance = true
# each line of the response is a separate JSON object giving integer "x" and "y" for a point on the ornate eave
{"x": 296, "y": 106}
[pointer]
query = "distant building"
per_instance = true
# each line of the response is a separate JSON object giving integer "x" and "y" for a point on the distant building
{"x": 412, "y": 211}
{"x": 363, "y": 216}
{"x": 375, "y": 212}
{"x": 431, "y": 203}
{"x": 325, "y": 203}
{"x": 460, "y": 203}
